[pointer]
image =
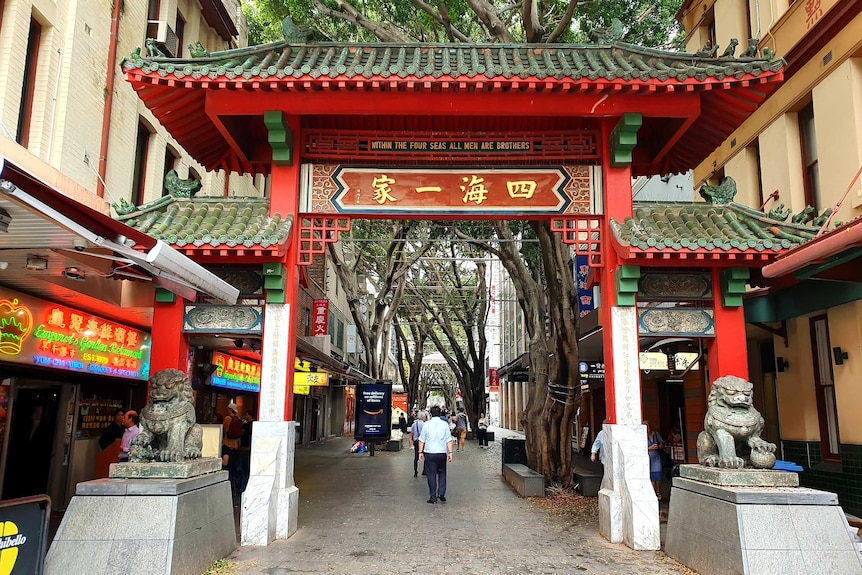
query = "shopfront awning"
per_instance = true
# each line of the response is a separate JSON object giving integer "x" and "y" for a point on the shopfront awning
{"x": 64, "y": 245}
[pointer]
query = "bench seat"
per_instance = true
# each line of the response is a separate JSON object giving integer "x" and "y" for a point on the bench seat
{"x": 525, "y": 481}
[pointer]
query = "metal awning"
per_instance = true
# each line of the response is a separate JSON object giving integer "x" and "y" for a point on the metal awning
{"x": 48, "y": 225}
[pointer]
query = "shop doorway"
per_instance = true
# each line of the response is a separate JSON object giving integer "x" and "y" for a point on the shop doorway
{"x": 33, "y": 428}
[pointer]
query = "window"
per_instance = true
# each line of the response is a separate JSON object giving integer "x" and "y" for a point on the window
{"x": 810, "y": 170}
{"x": 28, "y": 87}
{"x": 153, "y": 18}
{"x": 331, "y": 325}
{"x": 340, "y": 338}
{"x": 825, "y": 386}
{"x": 181, "y": 28}
{"x": 172, "y": 158}
{"x": 142, "y": 149}
{"x": 307, "y": 320}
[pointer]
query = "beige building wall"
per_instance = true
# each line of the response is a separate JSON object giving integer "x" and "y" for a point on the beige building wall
{"x": 838, "y": 124}
{"x": 845, "y": 331}
{"x": 744, "y": 170}
{"x": 70, "y": 91}
{"x": 731, "y": 21}
{"x": 797, "y": 413}
{"x": 781, "y": 162}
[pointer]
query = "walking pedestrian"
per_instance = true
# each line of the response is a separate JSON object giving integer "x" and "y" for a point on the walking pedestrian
{"x": 461, "y": 428}
{"x": 435, "y": 447}
{"x": 482, "y": 424}
{"x": 415, "y": 432}
{"x": 598, "y": 445}
{"x": 655, "y": 449}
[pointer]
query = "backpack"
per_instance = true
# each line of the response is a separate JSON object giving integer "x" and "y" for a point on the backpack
{"x": 234, "y": 429}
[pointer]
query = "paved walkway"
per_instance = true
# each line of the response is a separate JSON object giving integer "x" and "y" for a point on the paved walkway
{"x": 363, "y": 515}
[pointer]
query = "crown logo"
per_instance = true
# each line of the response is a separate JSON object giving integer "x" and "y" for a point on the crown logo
{"x": 16, "y": 323}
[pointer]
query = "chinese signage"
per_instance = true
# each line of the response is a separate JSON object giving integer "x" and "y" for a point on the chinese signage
{"x": 37, "y": 332}
{"x": 650, "y": 360}
{"x": 24, "y": 535}
{"x": 585, "y": 294}
{"x": 320, "y": 317}
{"x": 451, "y": 146}
{"x": 303, "y": 381}
{"x": 373, "y": 410}
{"x": 493, "y": 379}
{"x": 590, "y": 371}
{"x": 235, "y": 373}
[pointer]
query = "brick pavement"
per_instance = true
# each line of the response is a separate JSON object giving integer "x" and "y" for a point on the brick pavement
{"x": 367, "y": 515}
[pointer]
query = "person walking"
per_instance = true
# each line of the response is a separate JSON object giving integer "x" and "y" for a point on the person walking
{"x": 415, "y": 432}
{"x": 461, "y": 428}
{"x": 482, "y": 424}
{"x": 598, "y": 445}
{"x": 655, "y": 449}
{"x": 435, "y": 448}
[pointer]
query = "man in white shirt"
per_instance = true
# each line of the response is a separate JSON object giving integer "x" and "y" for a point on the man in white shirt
{"x": 131, "y": 432}
{"x": 435, "y": 447}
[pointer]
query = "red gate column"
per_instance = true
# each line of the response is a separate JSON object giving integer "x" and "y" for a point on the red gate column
{"x": 170, "y": 345}
{"x": 628, "y": 508}
{"x": 270, "y": 502}
{"x": 727, "y": 352}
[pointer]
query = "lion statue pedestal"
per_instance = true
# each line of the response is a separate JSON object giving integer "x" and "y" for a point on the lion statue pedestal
{"x": 734, "y": 514}
{"x": 179, "y": 503}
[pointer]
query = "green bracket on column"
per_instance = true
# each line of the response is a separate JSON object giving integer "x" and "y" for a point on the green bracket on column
{"x": 627, "y": 278}
{"x": 273, "y": 282}
{"x": 165, "y": 296}
{"x": 280, "y": 138}
{"x": 733, "y": 282}
{"x": 624, "y": 138}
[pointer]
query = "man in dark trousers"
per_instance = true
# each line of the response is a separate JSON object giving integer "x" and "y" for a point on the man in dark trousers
{"x": 415, "y": 432}
{"x": 435, "y": 447}
{"x": 113, "y": 431}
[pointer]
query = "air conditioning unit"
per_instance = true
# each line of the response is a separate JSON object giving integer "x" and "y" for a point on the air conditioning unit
{"x": 167, "y": 39}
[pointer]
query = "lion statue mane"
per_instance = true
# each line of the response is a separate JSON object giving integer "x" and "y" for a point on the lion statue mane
{"x": 732, "y": 427}
{"x": 168, "y": 428}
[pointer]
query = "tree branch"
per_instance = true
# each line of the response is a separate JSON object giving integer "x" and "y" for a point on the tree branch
{"x": 385, "y": 31}
{"x": 442, "y": 18}
{"x": 495, "y": 28}
{"x": 533, "y": 30}
{"x": 564, "y": 23}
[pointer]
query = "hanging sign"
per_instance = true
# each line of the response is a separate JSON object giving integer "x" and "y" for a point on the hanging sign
{"x": 235, "y": 373}
{"x": 586, "y": 304}
{"x": 493, "y": 380}
{"x": 373, "y": 410}
{"x": 650, "y": 360}
{"x": 38, "y": 332}
{"x": 321, "y": 317}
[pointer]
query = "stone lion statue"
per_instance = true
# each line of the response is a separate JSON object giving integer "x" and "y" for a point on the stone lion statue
{"x": 168, "y": 428}
{"x": 732, "y": 427}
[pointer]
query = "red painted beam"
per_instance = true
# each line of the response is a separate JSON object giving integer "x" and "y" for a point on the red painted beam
{"x": 445, "y": 104}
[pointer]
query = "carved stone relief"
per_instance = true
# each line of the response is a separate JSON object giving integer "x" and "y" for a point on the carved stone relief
{"x": 684, "y": 322}
{"x": 223, "y": 319}
{"x": 674, "y": 286}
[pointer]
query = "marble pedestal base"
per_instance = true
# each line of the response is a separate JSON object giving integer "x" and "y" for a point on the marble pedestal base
{"x": 145, "y": 527}
{"x": 628, "y": 508}
{"x": 721, "y": 530}
{"x": 270, "y": 502}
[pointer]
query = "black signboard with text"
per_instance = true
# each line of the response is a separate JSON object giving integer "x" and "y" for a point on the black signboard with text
{"x": 24, "y": 535}
{"x": 373, "y": 411}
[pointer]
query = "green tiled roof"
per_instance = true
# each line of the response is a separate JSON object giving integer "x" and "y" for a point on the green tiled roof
{"x": 705, "y": 227}
{"x": 498, "y": 61}
{"x": 211, "y": 222}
